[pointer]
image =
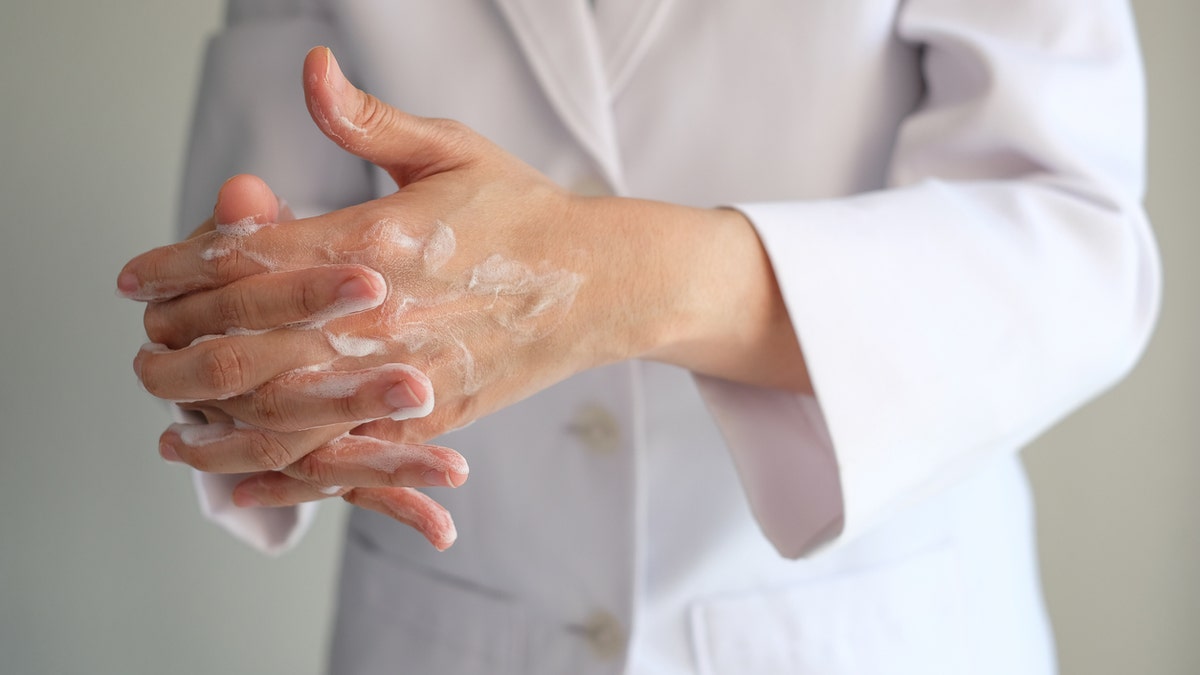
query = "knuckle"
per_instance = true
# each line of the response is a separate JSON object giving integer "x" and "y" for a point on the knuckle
{"x": 226, "y": 265}
{"x": 307, "y": 300}
{"x": 355, "y": 408}
{"x": 233, "y": 309}
{"x": 449, "y": 135}
{"x": 224, "y": 367}
{"x": 267, "y": 452}
{"x": 448, "y": 129}
{"x": 271, "y": 410}
{"x": 316, "y": 469}
{"x": 375, "y": 114}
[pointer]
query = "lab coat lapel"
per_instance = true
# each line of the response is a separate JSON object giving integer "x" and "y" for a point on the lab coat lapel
{"x": 626, "y": 28}
{"x": 560, "y": 42}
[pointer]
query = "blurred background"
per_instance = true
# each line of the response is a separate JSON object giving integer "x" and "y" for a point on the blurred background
{"x": 105, "y": 565}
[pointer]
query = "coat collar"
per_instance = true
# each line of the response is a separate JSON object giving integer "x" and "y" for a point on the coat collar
{"x": 626, "y": 28}
{"x": 582, "y": 59}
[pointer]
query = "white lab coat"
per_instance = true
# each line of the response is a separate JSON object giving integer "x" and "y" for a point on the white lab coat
{"x": 949, "y": 193}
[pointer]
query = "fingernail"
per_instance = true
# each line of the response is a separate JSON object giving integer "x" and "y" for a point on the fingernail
{"x": 333, "y": 74}
{"x": 401, "y": 396}
{"x": 127, "y": 285}
{"x": 168, "y": 452}
{"x": 357, "y": 287}
{"x": 449, "y": 478}
{"x": 449, "y": 536}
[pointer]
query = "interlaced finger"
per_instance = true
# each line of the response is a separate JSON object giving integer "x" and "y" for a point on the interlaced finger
{"x": 304, "y": 399}
{"x": 226, "y": 366}
{"x": 263, "y": 301}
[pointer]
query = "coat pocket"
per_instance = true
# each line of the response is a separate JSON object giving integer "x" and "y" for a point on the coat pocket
{"x": 903, "y": 618}
{"x": 400, "y": 620}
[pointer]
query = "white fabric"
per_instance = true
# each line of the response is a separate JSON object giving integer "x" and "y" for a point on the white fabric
{"x": 949, "y": 194}
{"x": 270, "y": 530}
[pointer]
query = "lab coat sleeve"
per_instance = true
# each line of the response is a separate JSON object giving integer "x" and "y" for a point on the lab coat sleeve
{"x": 250, "y": 117}
{"x": 1006, "y": 275}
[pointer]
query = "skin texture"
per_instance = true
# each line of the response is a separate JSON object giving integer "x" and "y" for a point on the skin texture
{"x": 487, "y": 280}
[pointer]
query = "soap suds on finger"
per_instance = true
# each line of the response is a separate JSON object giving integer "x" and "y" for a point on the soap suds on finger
{"x": 388, "y": 458}
{"x": 242, "y": 228}
{"x": 342, "y": 385}
{"x": 429, "y": 316}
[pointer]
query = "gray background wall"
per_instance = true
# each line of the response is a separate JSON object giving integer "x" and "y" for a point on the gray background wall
{"x": 105, "y": 567}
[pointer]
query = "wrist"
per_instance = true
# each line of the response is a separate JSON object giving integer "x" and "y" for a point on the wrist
{"x": 687, "y": 286}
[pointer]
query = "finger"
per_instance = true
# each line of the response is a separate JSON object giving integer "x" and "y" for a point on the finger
{"x": 306, "y": 399}
{"x": 236, "y": 251}
{"x": 205, "y": 261}
{"x": 266, "y": 301}
{"x": 226, "y": 448}
{"x": 406, "y": 505}
{"x": 411, "y": 507}
{"x": 285, "y": 213}
{"x": 272, "y": 488}
{"x": 243, "y": 202}
{"x": 363, "y": 461}
{"x": 222, "y": 367}
{"x": 408, "y": 147}
{"x": 414, "y": 430}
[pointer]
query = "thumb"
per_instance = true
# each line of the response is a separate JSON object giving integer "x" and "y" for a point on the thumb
{"x": 247, "y": 198}
{"x": 244, "y": 200}
{"x": 406, "y": 146}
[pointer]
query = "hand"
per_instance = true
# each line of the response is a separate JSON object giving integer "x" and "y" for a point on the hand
{"x": 478, "y": 272}
{"x": 473, "y": 273}
{"x": 341, "y": 459}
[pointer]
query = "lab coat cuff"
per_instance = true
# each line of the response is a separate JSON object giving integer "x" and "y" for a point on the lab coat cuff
{"x": 271, "y": 530}
{"x": 780, "y": 446}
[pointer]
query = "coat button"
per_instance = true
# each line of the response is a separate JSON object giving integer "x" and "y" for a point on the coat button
{"x": 591, "y": 187}
{"x": 604, "y": 635}
{"x": 597, "y": 429}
